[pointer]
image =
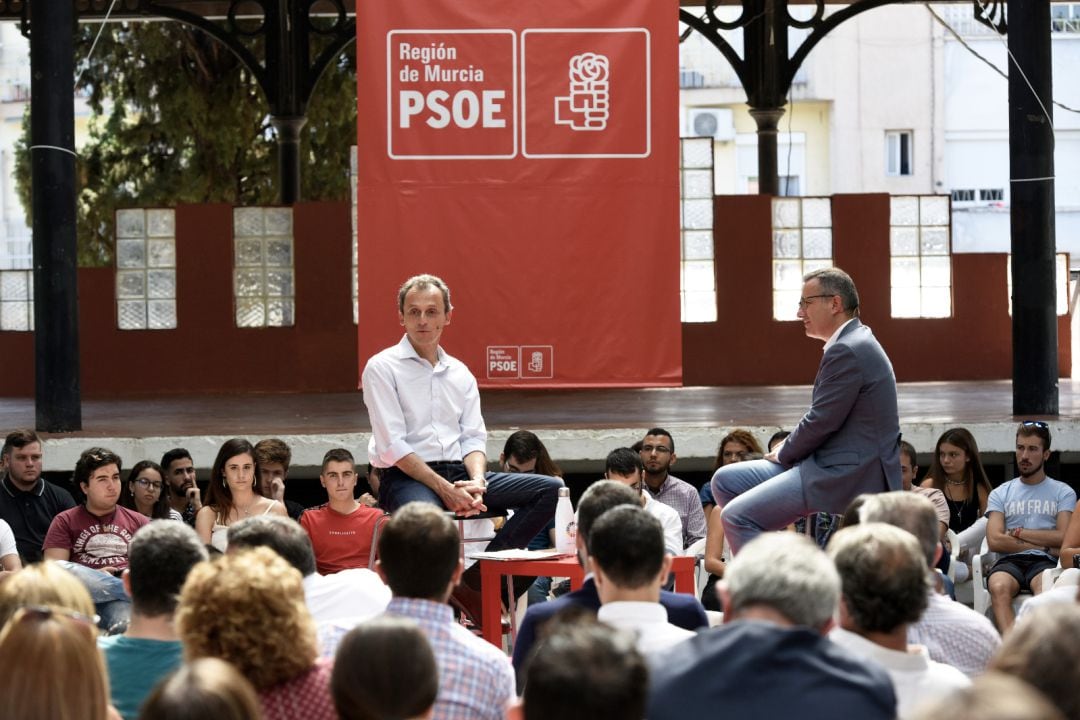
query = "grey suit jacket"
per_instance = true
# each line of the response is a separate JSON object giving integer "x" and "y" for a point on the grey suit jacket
{"x": 848, "y": 441}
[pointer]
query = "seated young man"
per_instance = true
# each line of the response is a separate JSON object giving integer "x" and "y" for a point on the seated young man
{"x": 341, "y": 531}
{"x": 91, "y": 540}
{"x": 1026, "y": 521}
{"x": 97, "y": 533}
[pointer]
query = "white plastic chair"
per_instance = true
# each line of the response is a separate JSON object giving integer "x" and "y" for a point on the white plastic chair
{"x": 954, "y": 553}
{"x": 980, "y": 567}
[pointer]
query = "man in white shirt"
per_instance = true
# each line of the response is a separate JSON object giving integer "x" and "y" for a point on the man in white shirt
{"x": 953, "y": 633}
{"x": 884, "y": 581}
{"x": 626, "y": 550}
{"x": 625, "y": 466}
{"x": 343, "y": 599}
{"x": 428, "y": 436}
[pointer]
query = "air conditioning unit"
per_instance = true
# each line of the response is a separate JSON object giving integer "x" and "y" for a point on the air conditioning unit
{"x": 717, "y": 123}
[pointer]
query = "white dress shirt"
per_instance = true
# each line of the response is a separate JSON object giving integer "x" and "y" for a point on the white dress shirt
{"x": 836, "y": 335}
{"x": 955, "y": 634}
{"x": 416, "y": 408}
{"x": 916, "y": 678}
{"x": 348, "y": 597}
{"x": 669, "y": 519}
{"x": 649, "y": 621}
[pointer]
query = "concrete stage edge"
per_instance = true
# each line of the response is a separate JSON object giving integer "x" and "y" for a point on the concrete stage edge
{"x": 579, "y": 426}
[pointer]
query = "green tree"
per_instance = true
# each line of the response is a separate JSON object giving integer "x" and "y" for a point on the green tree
{"x": 178, "y": 119}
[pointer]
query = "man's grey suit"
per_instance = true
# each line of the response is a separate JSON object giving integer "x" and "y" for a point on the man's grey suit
{"x": 846, "y": 444}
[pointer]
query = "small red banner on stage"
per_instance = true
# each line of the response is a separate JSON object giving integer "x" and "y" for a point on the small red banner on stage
{"x": 528, "y": 154}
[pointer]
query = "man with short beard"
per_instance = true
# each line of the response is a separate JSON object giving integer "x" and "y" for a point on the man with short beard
{"x": 28, "y": 503}
{"x": 180, "y": 482}
{"x": 1026, "y": 521}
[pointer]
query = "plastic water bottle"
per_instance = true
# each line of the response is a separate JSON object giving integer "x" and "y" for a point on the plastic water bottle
{"x": 565, "y": 524}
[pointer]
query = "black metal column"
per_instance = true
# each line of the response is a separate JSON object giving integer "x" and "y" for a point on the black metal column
{"x": 768, "y": 167}
{"x": 52, "y": 138}
{"x": 287, "y": 59}
{"x": 1031, "y": 168}
{"x": 288, "y": 146}
{"x": 765, "y": 40}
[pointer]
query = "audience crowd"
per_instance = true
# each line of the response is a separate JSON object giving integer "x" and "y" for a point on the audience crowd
{"x": 154, "y": 593}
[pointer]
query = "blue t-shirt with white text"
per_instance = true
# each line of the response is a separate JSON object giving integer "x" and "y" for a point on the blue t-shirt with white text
{"x": 1033, "y": 507}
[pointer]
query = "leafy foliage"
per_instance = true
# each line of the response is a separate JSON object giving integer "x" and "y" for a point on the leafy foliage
{"x": 176, "y": 118}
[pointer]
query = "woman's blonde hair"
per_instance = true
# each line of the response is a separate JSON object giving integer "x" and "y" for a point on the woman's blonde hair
{"x": 45, "y": 584}
{"x": 50, "y": 667}
{"x": 248, "y": 609}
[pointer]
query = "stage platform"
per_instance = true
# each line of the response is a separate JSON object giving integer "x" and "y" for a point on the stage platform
{"x": 578, "y": 426}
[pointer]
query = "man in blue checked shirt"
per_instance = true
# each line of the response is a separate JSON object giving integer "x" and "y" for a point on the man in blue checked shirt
{"x": 420, "y": 559}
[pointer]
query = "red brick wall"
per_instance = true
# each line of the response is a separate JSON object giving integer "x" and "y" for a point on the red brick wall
{"x": 747, "y": 347}
{"x": 208, "y": 353}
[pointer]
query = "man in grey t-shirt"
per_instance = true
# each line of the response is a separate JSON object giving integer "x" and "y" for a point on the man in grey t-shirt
{"x": 1026, "y": 521}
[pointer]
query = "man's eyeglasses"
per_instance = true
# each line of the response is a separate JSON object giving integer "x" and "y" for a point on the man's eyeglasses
{"x": 148, "y": 484}
{"x": 660, "y": 449}
{"x": 803, "y": 302}
{"x": 1035, "y": 423}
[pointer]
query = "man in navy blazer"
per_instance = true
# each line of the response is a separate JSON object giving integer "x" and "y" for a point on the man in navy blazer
{"x": 683, "y": 610}
{"x": 847, "y": 444}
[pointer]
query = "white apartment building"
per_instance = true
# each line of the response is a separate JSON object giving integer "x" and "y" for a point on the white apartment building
{"x": 892, "y": 101}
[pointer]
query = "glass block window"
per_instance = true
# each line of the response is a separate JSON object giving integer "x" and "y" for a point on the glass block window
{"x": 1061, "y": 282}
{"x": 802, "y": 243}
{"x": 17, "y": 300}
{"x": 920, "y": 256}
{"x": 146, "y": 269}
{"x": 698, "y": 289}
{"x": 355, "y": 265}
{"x": 263, "y": 275}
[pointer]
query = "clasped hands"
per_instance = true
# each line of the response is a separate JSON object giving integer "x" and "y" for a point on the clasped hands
{"x": 465, "y": 498}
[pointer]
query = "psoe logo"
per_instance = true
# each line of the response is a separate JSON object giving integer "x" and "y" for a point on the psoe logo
{"x": 503, "y": 362}
{"x": 588, "y": 104}
{"x": 537, "y": 362}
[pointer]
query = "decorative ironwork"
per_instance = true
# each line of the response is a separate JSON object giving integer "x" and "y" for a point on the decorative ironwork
{"x": 287, "y": 73}
{"x": 765, "y": 69}
{"x": 992, "y": 14}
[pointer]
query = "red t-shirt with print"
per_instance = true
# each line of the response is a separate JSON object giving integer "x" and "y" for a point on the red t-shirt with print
{"x": 96, "y": 542}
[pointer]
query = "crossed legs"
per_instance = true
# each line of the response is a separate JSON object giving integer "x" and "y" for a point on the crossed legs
{"x": 757, "y": 496}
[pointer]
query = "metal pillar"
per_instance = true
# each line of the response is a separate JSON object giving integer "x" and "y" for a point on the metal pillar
{"x": 768, "y": 165}
{"x": 288, "y": 145}
{"x": 765, "y": 69}
{"x": 1031, "y": 168}
{"x": 52, "y": 139}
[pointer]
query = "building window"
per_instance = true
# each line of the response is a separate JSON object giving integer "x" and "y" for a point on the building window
{"x": 789, "y": 185}
{"x": 921, "y": 260}
{"x": 146, "y": 269}
{"x": 698, "y": 289}
{"x": 899, "y": 152}
{"x": 802, "y": 243}
{"x": 263, "y": 267}
{"x": 1061, "y": 283}
{"x": 17, "y": 300}
{"x": 962, "y": 196}
{"x": 992, "y": 194}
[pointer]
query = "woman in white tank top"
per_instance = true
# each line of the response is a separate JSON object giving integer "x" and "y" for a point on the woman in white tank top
{"x": 232, "y": 496}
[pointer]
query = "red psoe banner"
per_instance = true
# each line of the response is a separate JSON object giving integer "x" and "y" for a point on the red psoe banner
{"x": 526, "y": 153}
